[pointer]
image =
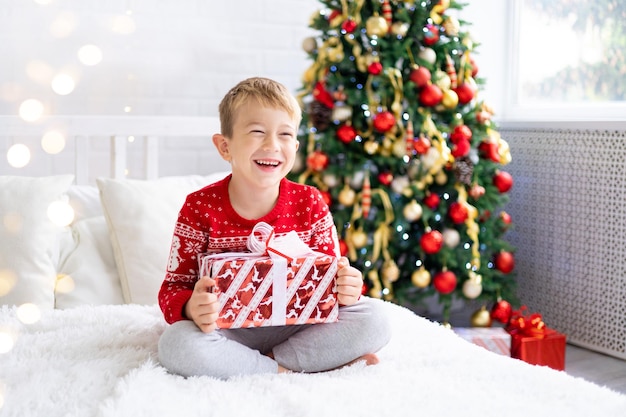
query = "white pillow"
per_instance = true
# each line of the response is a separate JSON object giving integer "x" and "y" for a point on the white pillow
{"x": 87, "y": 270}
{"x": 141, "y": 216}
{"x": 29, "y": 240}
{"x": 85, "y": 200}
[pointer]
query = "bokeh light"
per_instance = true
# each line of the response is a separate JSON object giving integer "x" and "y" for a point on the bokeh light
{"x": 123, "y": 24}
{"x": 90, "y": 55}
{"x": 60, "y": 213}
{"x": 31, "y": 110}
{"x": 40, "y": 71}
{"x": 6, "y": 344}
{"x": 18, "y": 155}
{"x": 28, "y": 313}
{"x": 64, "y": 25}
{"x": 7, "y": 281}
{"x": 65, "y": 284}
{"x": 12, "y": 222}
{"x": 63, "y": 84}
{"x": 53, "y": 142}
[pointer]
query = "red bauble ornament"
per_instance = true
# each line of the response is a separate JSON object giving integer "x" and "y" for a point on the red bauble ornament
{"x": 431, "y": 241}
{"x": 385, "y": 178}
{"x": 346, "y": 133}
{"x": 461, "y": 148}
{"x": 431, "y": 34}
{"x": 444, "y": 282}
{"x": 375, "y": 68}
{"x": 348, "y": 26}
{"x": 317, "y": 161}
{"x": 432, "y": 200}
{"x": 489, "y": 150}
{"x": 458, "y": 212}
{"x": 504, "y": 262}
{"x": 384, "y": 121}
{"x": 420, "y": 76}
{"x": 465, "y": 92}
{"x": 460, "y": 132}
{"x": 421, "y": 144}
{"x": 501, "y": 311}
{"x": 506, "y": 217}
{"x": 430, "y": 95}
{"x": 326, "y": 197}
{"x": 503, "y": 181}
{"x": 343, "y": 247}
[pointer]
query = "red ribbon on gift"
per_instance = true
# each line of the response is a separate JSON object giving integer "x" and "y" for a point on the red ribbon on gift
{"x": 525, "y": 324}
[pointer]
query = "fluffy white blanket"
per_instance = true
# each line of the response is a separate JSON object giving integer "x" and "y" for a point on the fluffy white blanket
{"x": 101, "y": 361}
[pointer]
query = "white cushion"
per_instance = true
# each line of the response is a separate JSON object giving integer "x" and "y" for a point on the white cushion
{"x": 85, "y": 200}
{"x": 87, "y": 270}
{"x": 141, "y": 216}
{"x": 29, "y": 240}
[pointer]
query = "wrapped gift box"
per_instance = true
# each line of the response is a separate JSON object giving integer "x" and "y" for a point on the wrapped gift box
{"x": 494, "y": 339}
{"x": 547, "y": 349}
{"x": 257, "y": 291}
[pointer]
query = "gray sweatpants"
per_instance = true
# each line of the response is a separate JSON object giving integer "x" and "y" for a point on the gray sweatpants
{"x": 362, "y": 328}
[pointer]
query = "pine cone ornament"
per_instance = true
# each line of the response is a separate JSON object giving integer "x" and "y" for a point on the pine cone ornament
{"x": 463, "y": 170}
{"x": 320, "y": 115}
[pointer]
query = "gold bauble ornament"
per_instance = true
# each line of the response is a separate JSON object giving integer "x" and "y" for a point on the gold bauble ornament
{"x": 335, "y": 54}
{"x": 442, "y": 80}
{"x": 412, "y": 211}
{"x": 371, "y": 147}
{"x": 376, "y": 26}
{"x": 420, "y": 278}
{"x": 346, "y": 196}
{"x": 309, "y": 44}
{"x": 441, "y": 178}
{"x": 359, "y": 239}
{"x": 390, "y": 271}
{"x": 399, "y": 148}
{"x": 451, "y": 26}
{"x": 450, "y": 99}
{"x": 400, "y": 29}
{"x": 481, "y": 318}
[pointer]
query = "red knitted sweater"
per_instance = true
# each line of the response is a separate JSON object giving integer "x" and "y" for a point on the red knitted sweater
{"x": 207, "y": 223}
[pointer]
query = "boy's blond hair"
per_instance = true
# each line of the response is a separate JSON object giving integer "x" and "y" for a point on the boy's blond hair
{"x": 266, "y": 93}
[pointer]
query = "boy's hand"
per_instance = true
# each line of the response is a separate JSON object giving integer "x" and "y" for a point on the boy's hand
{"x": 203, "y": 306}
{"x": 349, "y": 283}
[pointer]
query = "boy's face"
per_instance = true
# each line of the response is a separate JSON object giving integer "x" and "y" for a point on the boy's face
{"x": 262, "y": 149}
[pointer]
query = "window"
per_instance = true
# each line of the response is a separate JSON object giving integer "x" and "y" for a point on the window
{"x": 568, "y": 59}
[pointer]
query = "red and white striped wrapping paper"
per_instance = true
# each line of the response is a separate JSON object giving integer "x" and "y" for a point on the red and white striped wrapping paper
{"x": 257, "y": 291}
{"x": 494, "y": 339}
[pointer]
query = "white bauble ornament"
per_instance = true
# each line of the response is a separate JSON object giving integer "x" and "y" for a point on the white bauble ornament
{"x": 428, "y": 55}
{"x": 472, "y": 288}
{"x": 412, "y": 211}
{"x": 342, "y": 113}
{"x": 330, "y": 180}
{"x": 357, "y": 180}
{"x": 399, "y": 184}
{"x": 431, "y": 157}
{"x": 451, "y": 238}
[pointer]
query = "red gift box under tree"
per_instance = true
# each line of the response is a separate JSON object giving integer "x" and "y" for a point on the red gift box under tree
{"x": 533, "y": 342}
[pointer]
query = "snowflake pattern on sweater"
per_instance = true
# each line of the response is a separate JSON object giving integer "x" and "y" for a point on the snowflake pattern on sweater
{"x": 207, "y": 223}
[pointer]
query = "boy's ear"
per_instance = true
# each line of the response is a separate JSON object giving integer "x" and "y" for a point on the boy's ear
{"x": 221, "y": 144}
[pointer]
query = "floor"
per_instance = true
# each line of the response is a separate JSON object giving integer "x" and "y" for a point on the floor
{"x": 596, "y": 367}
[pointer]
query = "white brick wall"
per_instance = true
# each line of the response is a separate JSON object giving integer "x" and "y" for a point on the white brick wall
{"x": 180, "y": 60}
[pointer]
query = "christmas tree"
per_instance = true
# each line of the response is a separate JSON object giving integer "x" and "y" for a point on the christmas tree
{"x": 396, "y": 137}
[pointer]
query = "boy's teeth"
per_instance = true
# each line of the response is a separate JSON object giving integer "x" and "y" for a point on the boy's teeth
{"x": 272, "y": 163}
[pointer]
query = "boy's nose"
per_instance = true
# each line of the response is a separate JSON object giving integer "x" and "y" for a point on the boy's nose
{"x": 270, "y": 142}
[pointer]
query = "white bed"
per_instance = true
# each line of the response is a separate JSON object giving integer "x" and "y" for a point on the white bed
{"x": 86, "y": 345}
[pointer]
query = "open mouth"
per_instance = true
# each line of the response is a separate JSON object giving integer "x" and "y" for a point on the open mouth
{"x": 267, "y": 163}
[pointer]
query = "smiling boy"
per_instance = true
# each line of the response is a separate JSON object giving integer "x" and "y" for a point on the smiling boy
{"x": 259, "y": 122}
